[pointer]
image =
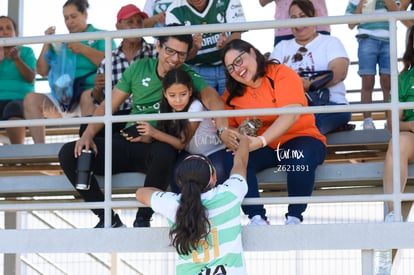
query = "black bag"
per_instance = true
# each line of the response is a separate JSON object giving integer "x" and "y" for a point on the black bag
{"x": 318, "y": 94}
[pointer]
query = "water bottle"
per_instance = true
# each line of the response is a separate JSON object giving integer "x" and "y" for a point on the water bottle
{"x": 84, "y": 172}
{"x": 382, "y": 261}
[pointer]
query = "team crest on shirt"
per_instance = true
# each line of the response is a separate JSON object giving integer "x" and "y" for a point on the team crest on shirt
{"x": 145, "y": 81}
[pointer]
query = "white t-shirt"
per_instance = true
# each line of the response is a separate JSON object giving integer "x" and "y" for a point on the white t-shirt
{"x": 319, "y": 52}
{"x": 223, "y": 203}
{"x": 205, "y": 140}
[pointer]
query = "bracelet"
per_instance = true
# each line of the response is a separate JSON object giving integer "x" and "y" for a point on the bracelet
{"x": 264, "y": 142}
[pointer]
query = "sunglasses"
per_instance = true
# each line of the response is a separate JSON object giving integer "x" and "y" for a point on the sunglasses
{"x": 171, "y": 52}
{"x": 299, "y": 54}
{"x": 238, "y": 61}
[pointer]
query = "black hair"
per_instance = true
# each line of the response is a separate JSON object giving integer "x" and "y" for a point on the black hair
{"x": 12, "y": 21}
{"x": 193, "y": 176}
{"x": 306, "y": 6}
{"x": 81, "y": 5}
{"x": 408, "y": 56}
{"x": 177, "y": 128}
{"x": 186, "y": 38}
{"x": 234, "y": 87}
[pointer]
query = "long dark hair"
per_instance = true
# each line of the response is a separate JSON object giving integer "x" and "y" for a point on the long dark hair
{"x": 234, "y": 87}
{"x": 194, "y": 177}
{"x": 177, "y": 128}
{"x": 408, "y": 57}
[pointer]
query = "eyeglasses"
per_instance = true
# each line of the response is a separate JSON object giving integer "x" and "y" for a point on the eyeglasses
{"x": 299, "y": 54}
{"x": 171, "y": 52}
{"x": 238, "y": 61}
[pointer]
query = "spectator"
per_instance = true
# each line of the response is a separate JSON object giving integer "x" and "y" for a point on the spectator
{"x": 406, "y": 126}
{"x": 311, "y": 52}
{"x": 156, "y": 12}
{"x": 373, "y": 49}
{"x": 143, "y": 80}
{"x": 130, "y": 49}
{"x": 205, "y": 54}
{"x": 197, "y": 136}
{"x": 17, "y": 78}
{"x": 89, "y": 54}
{"x": 288, "y": 141}
{"x": 197, "y": 226}
{"x": 282, "y": 12}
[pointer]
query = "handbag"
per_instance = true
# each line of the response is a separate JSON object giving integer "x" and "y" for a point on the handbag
{"x": 318, "y": 94}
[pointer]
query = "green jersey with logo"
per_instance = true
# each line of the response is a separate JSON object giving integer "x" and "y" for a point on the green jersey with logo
{"x": 142, "y": 81}
{"x": 216, "y": 12}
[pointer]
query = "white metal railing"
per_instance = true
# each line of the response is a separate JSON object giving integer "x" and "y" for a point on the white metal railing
{"x": 313, "y": 241}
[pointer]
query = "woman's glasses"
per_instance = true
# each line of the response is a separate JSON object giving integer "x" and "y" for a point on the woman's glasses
{"x": 170, "y": 51}
{"x": 299, "y": 54}
{"x": 238, "y": 61}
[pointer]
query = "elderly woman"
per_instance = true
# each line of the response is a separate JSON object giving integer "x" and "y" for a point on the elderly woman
{"x": 290, "y": 142}
{"x": 311, "y": 52}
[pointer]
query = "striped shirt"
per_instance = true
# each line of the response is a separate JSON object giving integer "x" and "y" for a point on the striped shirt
{"x": 120, "y": 64}
{"x": 221, "y": 252}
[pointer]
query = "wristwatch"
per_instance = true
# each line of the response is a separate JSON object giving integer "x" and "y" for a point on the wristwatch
{"x": 220, "y": 131}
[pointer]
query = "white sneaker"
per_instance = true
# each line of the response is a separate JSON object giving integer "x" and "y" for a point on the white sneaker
{"x": 389, "y": 217}
{"x": 368, "y": 124}
{"x": 258, "y": 220}
{"x": 292, "y": 220}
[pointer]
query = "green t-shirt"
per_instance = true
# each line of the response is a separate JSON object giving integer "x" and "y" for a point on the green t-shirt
{"x": 12, "y": 84}
{"x": 142, "y": 81}
{"x": 406, "y": 92}
{"x": 83, "y": 65}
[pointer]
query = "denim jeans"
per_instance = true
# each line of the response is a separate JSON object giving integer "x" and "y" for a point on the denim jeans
{"x": 213, "y": 75}
{"x": 307, "y": 154}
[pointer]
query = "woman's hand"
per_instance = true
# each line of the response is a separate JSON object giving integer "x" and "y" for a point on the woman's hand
{"x": 76, "y": 47}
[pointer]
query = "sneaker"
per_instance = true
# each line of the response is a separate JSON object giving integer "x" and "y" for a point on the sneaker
{"x": 258, "y": 220}
{"x": 116, "y": 222}
{"x": 292, "y": 220}
{"x": 141, "y": 222}
{"x": 368, "y": 124}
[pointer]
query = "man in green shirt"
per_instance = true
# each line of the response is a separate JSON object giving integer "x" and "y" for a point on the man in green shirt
{"x": 156, "y": 159}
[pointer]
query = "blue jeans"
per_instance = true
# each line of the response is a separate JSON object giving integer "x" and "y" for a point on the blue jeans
{"x": 312, "y": 152}
{"x": 371, "y": 52}
{"x": 327, "y": 122}
{"x": 217, "y": 158}
{"x": 213, "y": 75}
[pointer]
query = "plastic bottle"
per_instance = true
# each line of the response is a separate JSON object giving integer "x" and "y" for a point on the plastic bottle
{"x": 382, "y": 261}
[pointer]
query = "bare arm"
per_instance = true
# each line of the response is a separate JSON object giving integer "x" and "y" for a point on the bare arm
{"x": 86, "y": 140}
{"x": 358, "y": 10}
{"x": 42, "y": 66}
{"x": 151, "y": 21}
{"x": 27, "y": 73}
{"x": 143, "y": 194}
{"x": 90, "y": 53}
{"x": 265, "y": 2}
{"x": 277, "y": 129}
{"x": 241, "y": 157}
{"x": 212, "y": 100}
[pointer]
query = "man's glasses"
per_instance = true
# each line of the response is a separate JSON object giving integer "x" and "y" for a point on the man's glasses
{"x": 299, "y": 54}
{"x": 169, "y": 51}
{"x": 238, "y": 61}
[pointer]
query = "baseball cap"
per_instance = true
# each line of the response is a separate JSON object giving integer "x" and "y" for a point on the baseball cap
{"x": 129, "y": 11}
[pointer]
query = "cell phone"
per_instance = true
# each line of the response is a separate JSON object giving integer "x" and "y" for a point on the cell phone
{"x": 131, "y": 131}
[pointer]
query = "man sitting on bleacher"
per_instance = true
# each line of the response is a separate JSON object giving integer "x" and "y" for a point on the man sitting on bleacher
{"x": 143, "y": 79}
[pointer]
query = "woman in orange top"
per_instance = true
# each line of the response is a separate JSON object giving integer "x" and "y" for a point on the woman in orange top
{"x": 289, "y": 142}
